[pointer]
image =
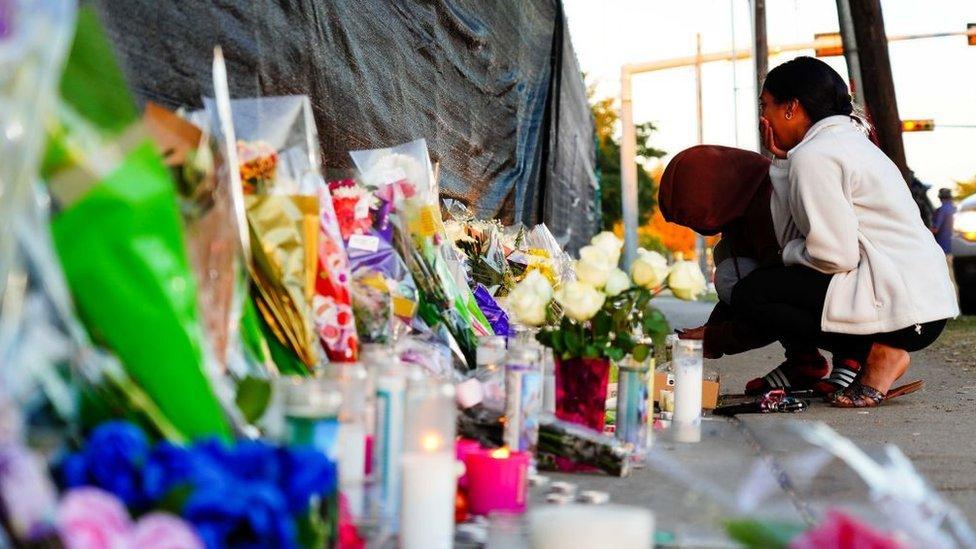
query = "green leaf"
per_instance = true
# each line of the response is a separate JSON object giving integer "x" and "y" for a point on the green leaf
{"x": 655, "y": 324}
{"x": 591, "y": 351}
{"x": 615, "y": 353}
{"x": 92, "y": 82}
{"x": 640, "y": 352}
{"x": 253, "y": 396}
{"x": 757, "y": 534}
{"x": 573, "y": 342}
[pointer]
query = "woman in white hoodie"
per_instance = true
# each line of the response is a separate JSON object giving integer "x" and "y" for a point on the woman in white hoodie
{"x": 862, "y": 276}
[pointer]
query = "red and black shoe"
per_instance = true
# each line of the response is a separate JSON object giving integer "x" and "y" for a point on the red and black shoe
{"x": 798, "y": 373}
{"x": 842, "y": 375}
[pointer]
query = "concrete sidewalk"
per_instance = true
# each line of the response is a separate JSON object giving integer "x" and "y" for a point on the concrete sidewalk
{"x": 935, "y": 428}
{"x": 694, "y": 490}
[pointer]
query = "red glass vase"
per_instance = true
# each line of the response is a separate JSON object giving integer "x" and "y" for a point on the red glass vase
{"x": 581, "y": 391}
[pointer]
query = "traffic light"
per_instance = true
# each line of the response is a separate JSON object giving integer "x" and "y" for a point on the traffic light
{"x": 923, "y": 125}
{"x": 971, "y": 27}
{"x": 828, "y": 44}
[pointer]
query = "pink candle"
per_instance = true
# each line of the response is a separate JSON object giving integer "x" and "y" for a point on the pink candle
{"x": 462, "y": 448}
{"x": 497, "y": 480}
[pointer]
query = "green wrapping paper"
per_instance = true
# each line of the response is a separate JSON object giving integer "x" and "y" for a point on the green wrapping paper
{"x": 123, "y": 256}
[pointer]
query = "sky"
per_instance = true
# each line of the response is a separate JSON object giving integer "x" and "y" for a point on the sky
{"x": 934, "y": 78}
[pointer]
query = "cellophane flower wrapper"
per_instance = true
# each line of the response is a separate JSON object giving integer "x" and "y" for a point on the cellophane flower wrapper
{"x": 495, "y": 314}
{"x": 279, "y": 165}
{"x": 332, "y": 302}
{"x": 537, "y": 249}
{"x": 212, "y": 238}
{"x": 124, "y": 257}
{"x": 364, "y": 217}
{"x": 284, "y": 233}
{"x": 405, "y": 173}
{"x": 277, "y": 143}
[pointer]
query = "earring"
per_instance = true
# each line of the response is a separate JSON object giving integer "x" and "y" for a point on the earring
{"x": 789, "y": 116}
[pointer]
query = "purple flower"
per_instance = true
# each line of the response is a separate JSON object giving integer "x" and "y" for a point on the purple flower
{"x": 112, "y": 459}
{"x": 246, "y": 515}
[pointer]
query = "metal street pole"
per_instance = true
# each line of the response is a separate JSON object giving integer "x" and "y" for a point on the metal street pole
{"x": 699, "y": 239}
{"x": 850, "y": 50}
{"x": 760, "y": 55}
{"x": 628, "y": 168}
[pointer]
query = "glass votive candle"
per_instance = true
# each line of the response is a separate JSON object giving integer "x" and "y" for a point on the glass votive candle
{"x": 497, "y": 480}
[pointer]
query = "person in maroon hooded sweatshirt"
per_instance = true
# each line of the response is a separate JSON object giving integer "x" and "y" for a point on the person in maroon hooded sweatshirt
{"x": 713, "y": 189}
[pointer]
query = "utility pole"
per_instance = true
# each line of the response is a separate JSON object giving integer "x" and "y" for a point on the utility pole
{"x": 699, "y": 110}
{"x": 760, "y": 53}
{"x": 628, "y": 168}
{"x": 879, "y": 86}
{"x": 850, "y": 51}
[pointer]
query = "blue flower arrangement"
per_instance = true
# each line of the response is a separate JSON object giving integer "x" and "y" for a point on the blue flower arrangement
{"x": 246, "y": 494}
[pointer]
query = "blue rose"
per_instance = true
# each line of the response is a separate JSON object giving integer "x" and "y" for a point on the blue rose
{"x": 246, "y": 460}
{"x": 306, "y": 472}
{"x": 246, "y": 515}
{"x": 112, "y": 459}
{"x": 170, "y": 466}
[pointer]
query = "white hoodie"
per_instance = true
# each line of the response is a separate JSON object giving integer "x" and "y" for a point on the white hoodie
{"x": 840, "y": 206}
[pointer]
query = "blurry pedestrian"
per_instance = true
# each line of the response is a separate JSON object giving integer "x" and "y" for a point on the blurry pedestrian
{"x": 942, "y": 222}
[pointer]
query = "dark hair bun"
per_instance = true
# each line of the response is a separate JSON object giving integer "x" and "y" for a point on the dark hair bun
{"x": 813, "y": 83}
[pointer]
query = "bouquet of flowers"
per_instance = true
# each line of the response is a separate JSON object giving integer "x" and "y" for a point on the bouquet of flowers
{"x": 447, "y": 304}
{"x": 384, "y": 295}
{"x": 246, "y": 493}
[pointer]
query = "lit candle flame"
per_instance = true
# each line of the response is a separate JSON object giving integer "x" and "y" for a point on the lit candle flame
{"x": 431, "y": 442}
{"x": 500, "y": 453}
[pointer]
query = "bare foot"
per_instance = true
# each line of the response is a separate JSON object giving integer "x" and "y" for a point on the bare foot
{"x": 884, "y": 366}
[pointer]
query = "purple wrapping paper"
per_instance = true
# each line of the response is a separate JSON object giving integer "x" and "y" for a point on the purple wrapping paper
{"x": 495, "y": 315}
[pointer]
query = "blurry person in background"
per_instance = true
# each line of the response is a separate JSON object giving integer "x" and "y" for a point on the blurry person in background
{"x": 942, "y": 222}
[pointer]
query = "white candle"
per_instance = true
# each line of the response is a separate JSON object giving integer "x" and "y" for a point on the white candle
{"x": 428, "y": 468}
{"x": 591, "y": 527}
{"x": 427, "y": 500}
{"x": 351, "y": 460}
{"x": 687, "y": 382}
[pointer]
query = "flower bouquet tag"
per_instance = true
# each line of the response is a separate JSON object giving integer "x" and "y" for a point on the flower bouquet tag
{"x": 365, "y": 242}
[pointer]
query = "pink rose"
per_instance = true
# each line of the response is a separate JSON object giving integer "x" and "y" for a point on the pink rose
{"x": 163, "y": 531}
{"x": 90, "y": 518}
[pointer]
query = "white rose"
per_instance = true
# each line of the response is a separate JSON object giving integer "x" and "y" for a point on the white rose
{"x": 538, "y": 284}
{"x": 610, "y": 244}
{"x": 580, "y": 301}
{"x": 591, "y": 273}
{"x": 649, "y": 270}
{"x": 529, "y": 299}
{"x": 594, "y": 266}
{"x": 686, "y": 280}
{"x": 617, "y": 282}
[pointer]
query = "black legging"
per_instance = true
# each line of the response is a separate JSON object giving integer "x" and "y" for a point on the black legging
{"x": 788, "y": 302}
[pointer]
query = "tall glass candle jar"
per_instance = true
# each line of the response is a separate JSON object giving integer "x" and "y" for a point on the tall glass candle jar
{"x": 523, "y": 398}
{"x": 429, "y": 468}
{"x": 687, "y": 365}
{"x": 632, "y": 404}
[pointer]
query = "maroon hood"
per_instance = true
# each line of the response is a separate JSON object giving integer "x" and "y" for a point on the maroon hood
{"x": 707, "y": 187}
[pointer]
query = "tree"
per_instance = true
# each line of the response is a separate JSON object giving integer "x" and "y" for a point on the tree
{"x": 606, "y": 120}
{"x": 965, "y": 189}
